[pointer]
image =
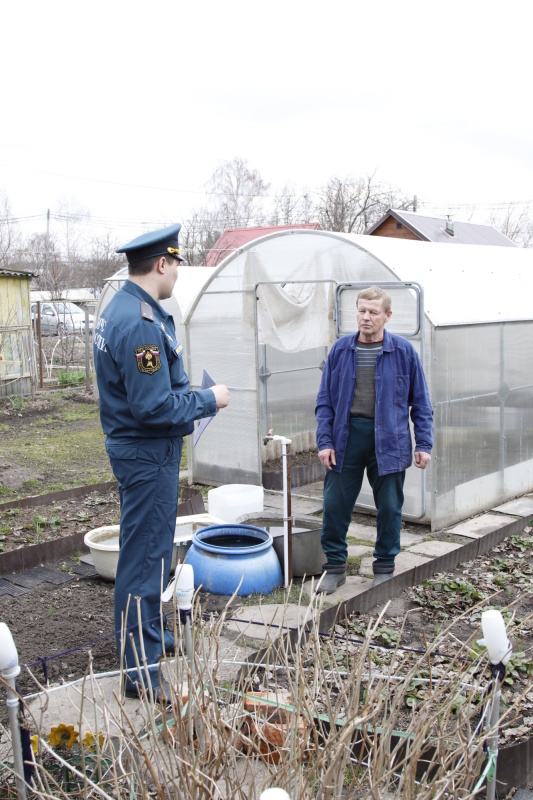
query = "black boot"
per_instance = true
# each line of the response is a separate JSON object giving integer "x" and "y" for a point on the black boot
{"x": 333, "y": 576}
{"x": 383, "y": 571}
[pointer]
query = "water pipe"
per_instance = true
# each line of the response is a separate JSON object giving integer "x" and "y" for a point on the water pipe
{"x": 287, "y": 511}
{"x": 9, "y": 669}
{"x": 499, "y": 650}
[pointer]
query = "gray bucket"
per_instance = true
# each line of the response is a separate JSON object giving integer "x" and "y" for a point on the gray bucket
{"x": 307, "y": 554}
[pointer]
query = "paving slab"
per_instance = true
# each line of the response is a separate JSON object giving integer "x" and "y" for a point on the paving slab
{"x": 258, "y": 621}
{"x": 521, "y": 507}
{"x": 355, "y": 584}
{"x": 433, "y": 549}
{"x": 479, "y": 526}
{"x": 365, "y": 532}
{"x": 407, "y": 538}
{"x": 404, "y": 561}
{"x": 298, "y": 505}
{"x": 368, "y": 534}
{"x": 356, "y": 550}
{"x": 96, "y": 703}
{"x": 313, "y": 491}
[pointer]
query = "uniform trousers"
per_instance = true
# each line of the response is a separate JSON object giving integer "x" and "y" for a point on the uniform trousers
{"x": 147, "y": 472}
{"x": 341, "y": 490}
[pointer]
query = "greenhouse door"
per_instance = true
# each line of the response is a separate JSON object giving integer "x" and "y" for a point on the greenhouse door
{"x": 407, "y": 321}
{"x": 293, "y": 330}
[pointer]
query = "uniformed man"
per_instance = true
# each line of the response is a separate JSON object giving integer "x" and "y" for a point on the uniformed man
{"x": 146, "y": 408}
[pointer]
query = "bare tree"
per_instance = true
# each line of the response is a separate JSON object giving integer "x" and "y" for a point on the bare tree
{"x": 41, "y": 255}
{"x": 516, "y": 223}
{"x": 198, "y": 235}
{"x": 9, "y": 233}
{"x": 237, "y": 191}
{"x": 102, "y": 263}
{"x": 351, "y": 204}
{"x": 291, "y": 207}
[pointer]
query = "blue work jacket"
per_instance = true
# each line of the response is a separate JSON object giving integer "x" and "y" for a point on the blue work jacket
{"x": 144, "y": 389}
{"x": 400, "y": 386}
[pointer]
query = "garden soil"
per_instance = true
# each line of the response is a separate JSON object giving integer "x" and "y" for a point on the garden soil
{"x": 56, "y": 443}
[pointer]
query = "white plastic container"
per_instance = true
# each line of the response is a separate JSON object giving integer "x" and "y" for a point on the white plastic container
{"x": 185, "y": 528}
{"x": 231, "y": 501}
{"x": 104, "y": 547}
{"x": 103, "y": 544}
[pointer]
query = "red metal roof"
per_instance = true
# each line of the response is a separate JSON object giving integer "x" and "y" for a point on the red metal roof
{"x": 233, "y": 238}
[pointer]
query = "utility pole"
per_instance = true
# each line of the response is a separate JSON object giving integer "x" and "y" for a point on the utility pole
{"x": 46, "y": 249}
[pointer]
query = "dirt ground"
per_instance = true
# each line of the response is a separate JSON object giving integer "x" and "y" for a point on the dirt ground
{"x": 76, "y": 617}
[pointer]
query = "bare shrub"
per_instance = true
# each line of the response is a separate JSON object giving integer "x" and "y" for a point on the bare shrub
{"x": 323, "y": 716}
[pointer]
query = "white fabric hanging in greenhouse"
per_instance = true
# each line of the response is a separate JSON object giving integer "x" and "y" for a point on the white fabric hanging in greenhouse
{"x": 290, "y": 316}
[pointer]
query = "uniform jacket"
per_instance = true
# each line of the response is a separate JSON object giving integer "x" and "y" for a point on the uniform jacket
{"x": 400, "y": 386}
{"x": 143, "y": 387}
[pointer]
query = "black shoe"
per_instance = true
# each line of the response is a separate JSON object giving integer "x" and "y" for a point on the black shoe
{"x": 380, "y": 577}
{"x": 333, "y": 576}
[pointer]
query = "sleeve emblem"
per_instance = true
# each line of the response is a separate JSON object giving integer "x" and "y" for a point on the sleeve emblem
{"x": 148, "y": 358}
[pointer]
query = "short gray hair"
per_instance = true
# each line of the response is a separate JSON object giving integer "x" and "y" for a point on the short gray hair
{"x": 376, "y": 293}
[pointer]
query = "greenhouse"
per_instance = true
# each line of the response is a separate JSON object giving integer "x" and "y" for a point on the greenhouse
{"x": 267, "y": 315}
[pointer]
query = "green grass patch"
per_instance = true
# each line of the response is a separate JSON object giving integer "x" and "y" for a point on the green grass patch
{"x": 30, "y": 484}
{"x": 355, "y": 540}
{"x": 354, "y": 564}
{"x": 279, "y": 596}
{"x": 73, "y": 378}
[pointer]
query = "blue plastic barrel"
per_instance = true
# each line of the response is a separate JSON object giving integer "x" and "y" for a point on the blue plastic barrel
{"x": 223, "y": 554}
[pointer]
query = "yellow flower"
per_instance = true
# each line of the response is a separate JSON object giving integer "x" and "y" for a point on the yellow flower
{"x": 34, "y": 740}
{"x": 63, "y": 736}
{"x": 89, "y": 740}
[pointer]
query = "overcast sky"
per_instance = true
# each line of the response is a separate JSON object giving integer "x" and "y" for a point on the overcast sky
{"x": 126, "y": 108}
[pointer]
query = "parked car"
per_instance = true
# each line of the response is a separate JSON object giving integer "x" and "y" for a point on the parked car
{"x": 60, "y": 317}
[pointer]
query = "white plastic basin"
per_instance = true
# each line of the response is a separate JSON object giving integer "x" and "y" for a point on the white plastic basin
{"x": 232, "y": 500}
{"x": 104, "y": 547}
{"x": 103, "y": 544}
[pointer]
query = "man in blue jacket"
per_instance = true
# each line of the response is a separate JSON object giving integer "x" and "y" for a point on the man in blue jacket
{"x": 146, "y": 408}
{"x": 371, "y": 382}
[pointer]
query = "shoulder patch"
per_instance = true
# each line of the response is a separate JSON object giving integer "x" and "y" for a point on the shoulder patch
{"x": 148, "y": 358}
{"x": 179, "y": 350}
{"x": 147, "y": 311}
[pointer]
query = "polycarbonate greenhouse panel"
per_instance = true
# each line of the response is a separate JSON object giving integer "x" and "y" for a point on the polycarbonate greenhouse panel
{"x": 416, "y": 503}
{"x": 405, "y": 319}
{"x": 288, "y": 388}
{"x": 476, "y": 352}
{"x": 484, "y": 426}
{"x": 466, "y": 362}
{"x": 228, "y": 450}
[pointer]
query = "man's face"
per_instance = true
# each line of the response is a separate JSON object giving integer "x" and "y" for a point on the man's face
{"x": 371, "y": 319}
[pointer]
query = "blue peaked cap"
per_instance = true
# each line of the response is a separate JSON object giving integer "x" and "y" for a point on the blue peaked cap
{"x": 162, "y": 242}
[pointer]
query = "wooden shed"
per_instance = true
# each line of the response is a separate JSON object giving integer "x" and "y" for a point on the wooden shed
{"x": 419, "y": 227}
{"x": 16, "y": 340}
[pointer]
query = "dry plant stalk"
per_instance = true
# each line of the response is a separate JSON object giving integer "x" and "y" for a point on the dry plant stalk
{"x": 312, "y": 714}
